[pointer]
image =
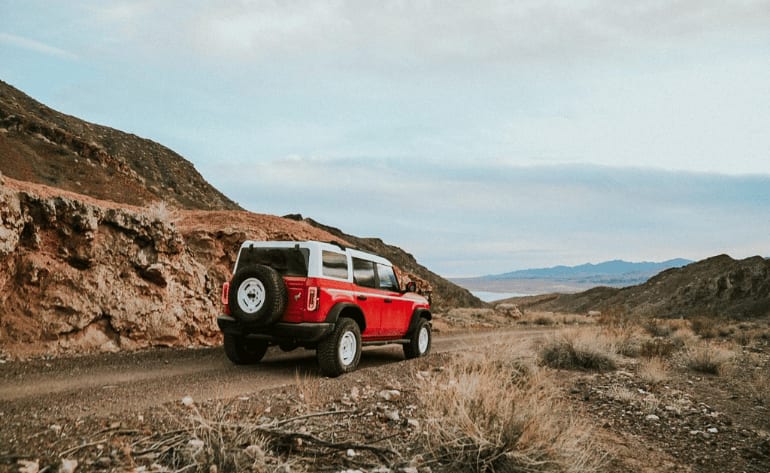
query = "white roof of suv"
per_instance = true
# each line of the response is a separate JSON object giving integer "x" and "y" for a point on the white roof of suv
{"x": 316, "y": 247}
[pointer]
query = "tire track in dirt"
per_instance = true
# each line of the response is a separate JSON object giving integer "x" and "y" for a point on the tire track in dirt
{"x": 106, "y": 383}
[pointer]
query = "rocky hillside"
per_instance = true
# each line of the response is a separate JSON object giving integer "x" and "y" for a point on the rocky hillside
{"x": 718, "y": 286}
{"x": 39, "y": 144}
{"x": 445, "y": 293}
{"x": 86, "y": 275}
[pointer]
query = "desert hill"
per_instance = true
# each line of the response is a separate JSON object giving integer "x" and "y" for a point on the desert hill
{"x": 39, "y": 144}
{"x": 717, "y": 286}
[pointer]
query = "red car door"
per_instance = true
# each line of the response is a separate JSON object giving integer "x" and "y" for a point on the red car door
{"x": 367, "y": 298}
{"x": 396, "y": 310}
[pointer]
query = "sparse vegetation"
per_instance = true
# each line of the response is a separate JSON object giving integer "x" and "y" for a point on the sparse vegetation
{"x": 546, "y": 319}
{"x": 658, "y": 328}
{"x": 572, "y": 352}
{"x": 161, "y": 212}
{"x": 496, "y": 415}
{"x": 704, "y": 327}
{"x": 654, "y": 371}
{"x": 706, "y": 358}
{"x": 218, "y": 441}
{"x": 658, "y": 347}
{"x": 759, "y": 387}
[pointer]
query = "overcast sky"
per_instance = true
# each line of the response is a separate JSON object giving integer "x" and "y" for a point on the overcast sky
{"x": 481, "y": 136}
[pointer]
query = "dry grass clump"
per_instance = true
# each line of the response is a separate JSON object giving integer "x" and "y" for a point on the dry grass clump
{"x": 577, "y": 351}
{"x": 658, "y": 347}
{"x": 497, "y": 414}
{"x": 217, "y": 441}
{"x": 705, "y": 327}
{"x": 706, "y": 358}
{"x": 658, "y": 328}
{"x": 160, "y": 211}
{"x": 549, "y": 318}
{"x": 654, "y": 371}
{"x": 759, "y": 388}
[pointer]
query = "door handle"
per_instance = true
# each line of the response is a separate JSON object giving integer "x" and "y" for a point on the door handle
{"x": 361, "y": 297}
{"x": 388, "y": 301}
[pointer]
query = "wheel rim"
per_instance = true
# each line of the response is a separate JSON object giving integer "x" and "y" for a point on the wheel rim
{"x": 251, "y": 295}
{"x": 347, "y": 349}
{"x": 423, "y": 339}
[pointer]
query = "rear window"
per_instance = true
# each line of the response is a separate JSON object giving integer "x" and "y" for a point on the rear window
{"x": 287, "y": 261}
{"x": 335, "y": 265}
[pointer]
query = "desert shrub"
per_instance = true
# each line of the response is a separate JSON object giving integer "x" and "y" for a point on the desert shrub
{"x": 725, "y": 331}
{"x": 707, "y": 359}
{"x": 658, "y": 347}
{"x": 490, "y": 414}
{"x": 543, "y": 320}
{"x": 629, "y": 346}
{"x": 658, "y": 328}
{"x": 616, "y": 317}
{"x": 744, "y": 337}
{"x": 704, "y": 327}
{"x": 161, "y": 212}
{"x": 759, "y": 388}
{"x": 572, "y": 353}
{"x": 308, "y": 389}
{"x": 217, "y": 439}
{"x": 653, "y": 371}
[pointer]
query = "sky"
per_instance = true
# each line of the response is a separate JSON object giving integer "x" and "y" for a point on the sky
{"x": 481, "y": 136}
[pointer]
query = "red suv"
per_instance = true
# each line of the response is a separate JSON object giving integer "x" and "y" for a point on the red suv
{"x": 320, "y": 296}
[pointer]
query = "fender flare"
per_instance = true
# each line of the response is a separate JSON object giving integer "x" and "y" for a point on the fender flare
{"x": 338, "y": 308}
{"x": 416, "y": 316}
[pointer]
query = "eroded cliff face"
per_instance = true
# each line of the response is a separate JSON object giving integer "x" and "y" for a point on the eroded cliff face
{"x": 82, "y": 275}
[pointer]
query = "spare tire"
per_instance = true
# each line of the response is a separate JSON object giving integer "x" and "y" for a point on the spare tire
{"x": 258, "y": 295}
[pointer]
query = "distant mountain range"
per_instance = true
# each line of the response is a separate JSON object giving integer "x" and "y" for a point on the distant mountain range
{"x": 615, "y": 273}
{"x": 609, "y": 271}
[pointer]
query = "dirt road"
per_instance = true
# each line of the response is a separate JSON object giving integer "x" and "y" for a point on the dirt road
{"x": 108, "y": 383}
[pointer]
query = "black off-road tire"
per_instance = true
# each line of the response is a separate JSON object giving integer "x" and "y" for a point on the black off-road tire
{"x": 417, "y": 347}
{"x": 258, "y": 296}
{"x": 242, "y": 351}
{"x": 335, "y": 353}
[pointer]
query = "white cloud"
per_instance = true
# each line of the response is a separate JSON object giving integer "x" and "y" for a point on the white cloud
{"x": 462, "y": 220}
{"x": 36, "y": 46}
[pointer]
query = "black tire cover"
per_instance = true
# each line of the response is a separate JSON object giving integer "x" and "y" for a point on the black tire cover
{"x": 275, "y": 295}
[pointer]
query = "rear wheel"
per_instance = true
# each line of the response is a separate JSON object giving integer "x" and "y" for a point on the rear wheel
{"x": 419, "y": 341}
{"x": 242, "y": 351}
{"x": 340, "y": 352}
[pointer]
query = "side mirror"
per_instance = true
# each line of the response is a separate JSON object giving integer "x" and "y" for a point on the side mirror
{"x": 411, "y": 286}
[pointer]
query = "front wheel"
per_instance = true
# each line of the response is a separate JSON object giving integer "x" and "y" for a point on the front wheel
{"x": 340, "y": 352}
{"x": 419, "y": 341}
{"x": 242, "y": 351}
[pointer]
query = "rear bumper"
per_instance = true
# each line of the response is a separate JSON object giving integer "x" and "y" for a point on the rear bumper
{"x": 301, "y": 334}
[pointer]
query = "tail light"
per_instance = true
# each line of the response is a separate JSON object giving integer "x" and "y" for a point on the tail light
{"x": 312, "y": 299}
{"x": 225, "y": 294}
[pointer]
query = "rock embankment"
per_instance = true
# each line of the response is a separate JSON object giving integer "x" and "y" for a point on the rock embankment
{"x": 83, "y": 275}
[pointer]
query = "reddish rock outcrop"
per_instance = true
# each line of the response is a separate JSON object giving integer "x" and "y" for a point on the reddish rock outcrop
{"x": 85, "y": 275}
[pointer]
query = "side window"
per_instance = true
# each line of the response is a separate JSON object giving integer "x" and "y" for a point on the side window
{"x": 335, "y": 265}
{"x": 363, "y": 272}
{"x": 387, "y": 278}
